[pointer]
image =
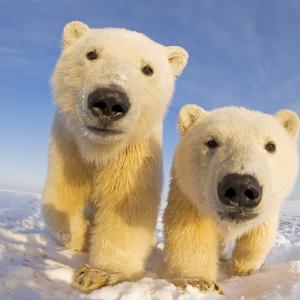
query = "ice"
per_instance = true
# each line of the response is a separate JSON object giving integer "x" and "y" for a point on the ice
{"x": 34, "y": 266}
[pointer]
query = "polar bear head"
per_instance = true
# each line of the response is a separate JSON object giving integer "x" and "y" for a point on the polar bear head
{"x": 236, "y": 164}
{"x": 113, "y": 85}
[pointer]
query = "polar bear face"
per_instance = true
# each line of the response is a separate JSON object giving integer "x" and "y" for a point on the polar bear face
{"x": 113, "y": 85}
{"x": 236, "y": 164}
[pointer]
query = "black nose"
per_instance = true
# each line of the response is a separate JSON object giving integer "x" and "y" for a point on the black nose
{"x": 237, "y": 190}
{"x": 108, "y": 103}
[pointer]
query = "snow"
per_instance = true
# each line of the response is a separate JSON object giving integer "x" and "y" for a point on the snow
{"x": 34, "y": 266}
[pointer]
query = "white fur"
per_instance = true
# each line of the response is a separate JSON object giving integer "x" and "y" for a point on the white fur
{"x": 120, "y": 174}
{"x": 196, "y": 234}
{"x": 122, "y": 54}
{"x": 242, "y": 135}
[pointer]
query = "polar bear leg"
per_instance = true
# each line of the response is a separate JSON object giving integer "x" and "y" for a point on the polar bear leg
{"x": 65, "y": 193}
{"x": 191, "y": 244}
{"x": 192, "y": 255}
{"x": 67, "y": 225}
{"x": 223, "y": 250}
{"x": 117, "y": 253}
{"x": 118, "y": 247}
{"x": 125, "y": 221}
{"x": 251, "y": 249}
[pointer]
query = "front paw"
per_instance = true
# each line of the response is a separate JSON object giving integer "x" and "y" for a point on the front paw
{"x": 87, "y": 278}
{"x": 201, "y": 284}
{"x": 243, "y": 272}
{"x": 243, "y": 268}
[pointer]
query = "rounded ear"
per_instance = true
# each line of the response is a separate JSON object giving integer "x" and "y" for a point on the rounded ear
{"x": 73, "y": 31}
{"x": 188, "y": 115}
{"x": 178, "y": 59}
{"x": 289, "y": 120}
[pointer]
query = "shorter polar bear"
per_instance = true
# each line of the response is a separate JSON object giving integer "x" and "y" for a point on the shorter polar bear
{"x": 232, "y": 169}
{"x": 112, "y": 88}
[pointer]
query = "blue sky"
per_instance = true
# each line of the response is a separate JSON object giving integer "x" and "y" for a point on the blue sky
{"x": 244, "y": 53}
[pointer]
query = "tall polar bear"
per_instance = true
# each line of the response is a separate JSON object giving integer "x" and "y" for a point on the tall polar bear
{"x": 232, "y": 169}
{"x": 111, "y": 88}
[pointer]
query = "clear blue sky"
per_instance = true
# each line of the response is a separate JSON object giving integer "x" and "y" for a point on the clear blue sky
{"x": 244, "y": 53}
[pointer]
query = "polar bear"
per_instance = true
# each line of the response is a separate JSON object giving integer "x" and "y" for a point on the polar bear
{"x": 232, "y": 169}
{"x": 111, "y": 88}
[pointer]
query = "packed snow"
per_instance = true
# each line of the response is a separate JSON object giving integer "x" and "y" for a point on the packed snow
{"x": 34, "y": 266}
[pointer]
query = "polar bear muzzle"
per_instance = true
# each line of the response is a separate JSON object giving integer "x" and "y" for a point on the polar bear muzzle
{"x": 240, "y": 194}
{"x": 108, "y": 104}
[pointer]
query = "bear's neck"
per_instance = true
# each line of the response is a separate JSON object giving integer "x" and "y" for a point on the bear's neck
{"x": 101, "y": 154}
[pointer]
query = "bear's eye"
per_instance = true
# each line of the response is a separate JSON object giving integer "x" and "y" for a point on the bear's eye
{"x": 270, "y": 147}
{"x": 212, "y": 144}
{"x": 147, "y": 70}
{"x": 92, "y": 55}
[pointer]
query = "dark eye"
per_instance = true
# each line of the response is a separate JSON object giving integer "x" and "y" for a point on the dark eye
{"x": 270, "y": 147}
{"x": 92, "y": 55}
{"x": 147, "y": 70}
{"x": 212, "y": 144}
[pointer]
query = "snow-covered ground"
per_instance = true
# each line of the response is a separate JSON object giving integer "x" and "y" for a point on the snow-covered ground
{"x": 34, "y": 266}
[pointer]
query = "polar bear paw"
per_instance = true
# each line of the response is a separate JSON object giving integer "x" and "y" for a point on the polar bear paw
{"x": 242, "y": 272}
{"x": 243, "y": 267}
{"x": 201, "y": 284}
{"x": 88, "y": 278}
